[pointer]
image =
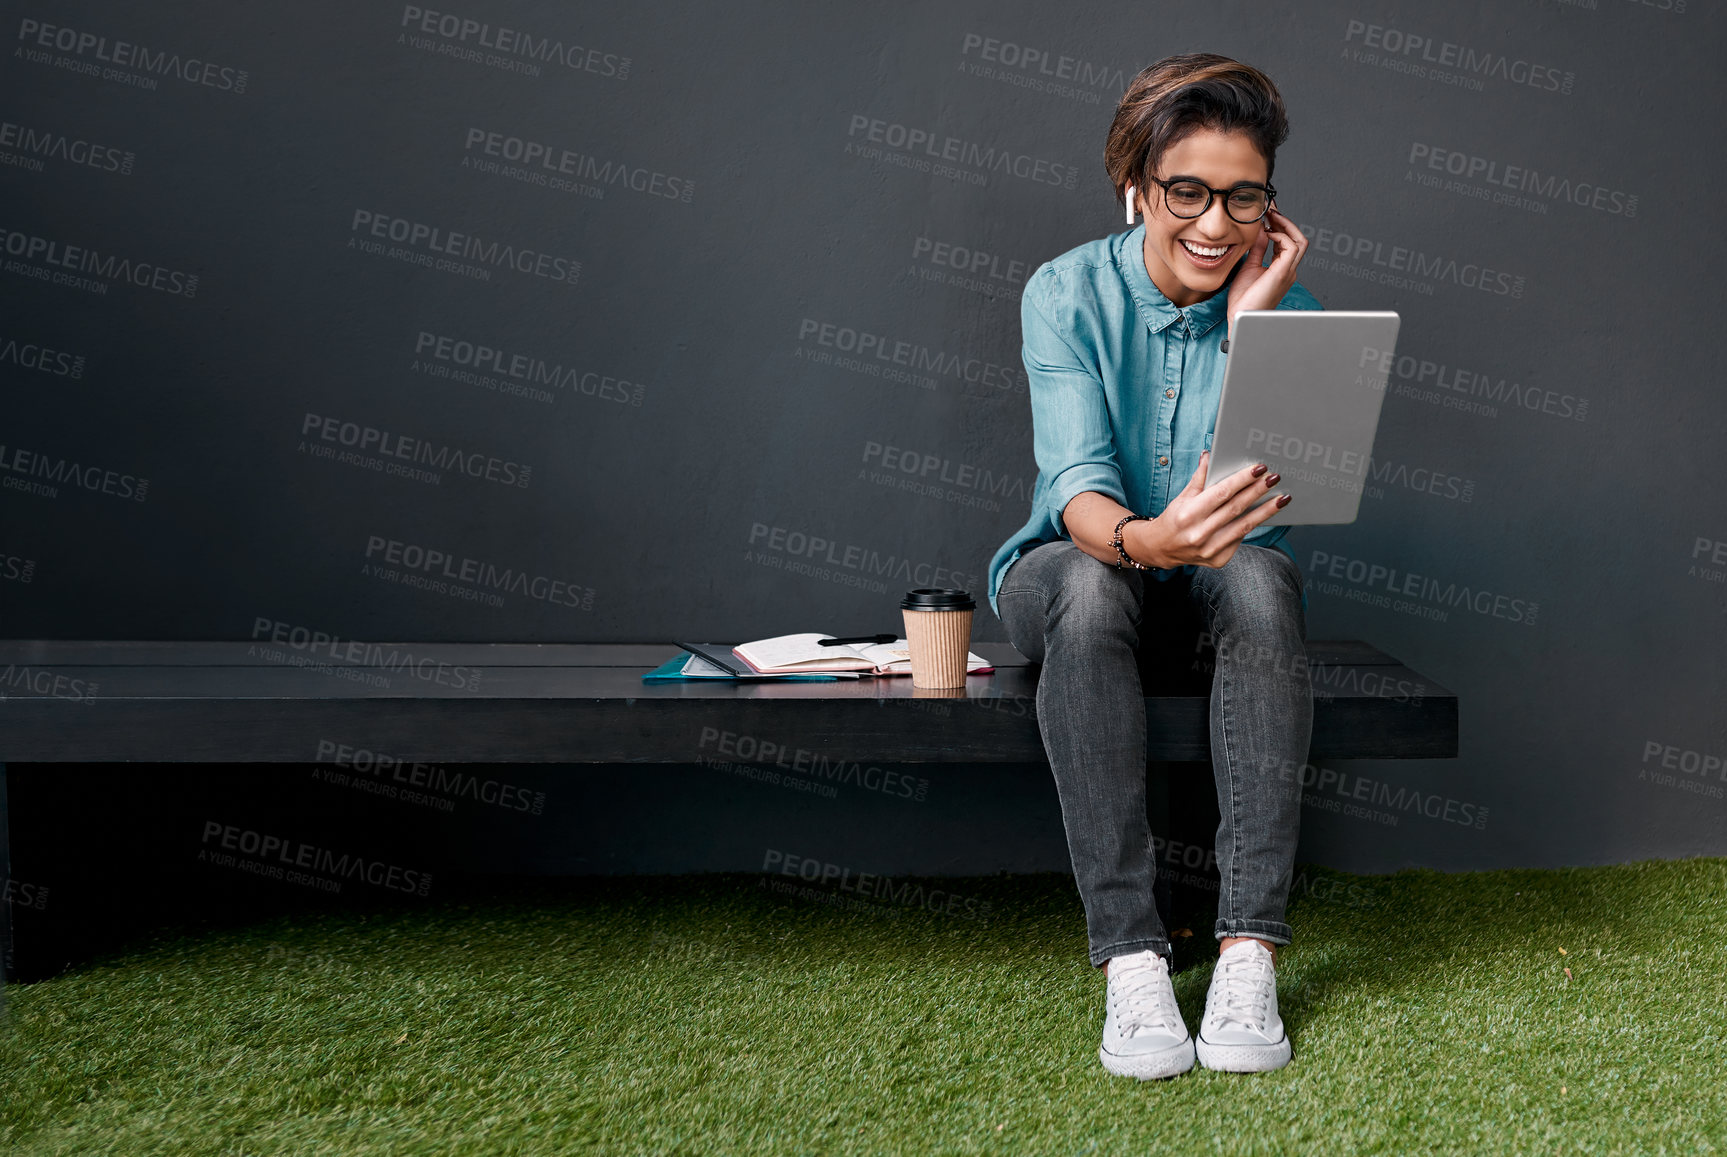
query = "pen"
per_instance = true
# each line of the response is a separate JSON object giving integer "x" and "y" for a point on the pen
{"x": 858, "y": 639}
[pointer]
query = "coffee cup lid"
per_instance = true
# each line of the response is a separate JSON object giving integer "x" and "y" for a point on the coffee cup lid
{"x": 938, "y": 599}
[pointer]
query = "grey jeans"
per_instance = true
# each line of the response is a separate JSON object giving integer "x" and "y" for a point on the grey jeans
{"x": 1091, "y": 627}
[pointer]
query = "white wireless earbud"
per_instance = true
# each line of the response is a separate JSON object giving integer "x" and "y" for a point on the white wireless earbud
{"x": 1130, "y": 204}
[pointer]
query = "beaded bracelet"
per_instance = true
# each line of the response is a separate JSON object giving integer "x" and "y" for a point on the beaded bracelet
{"x": 1120, "y": 550}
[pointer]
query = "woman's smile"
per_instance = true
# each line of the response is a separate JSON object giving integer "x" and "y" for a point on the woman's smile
{"x": 1205, "y": 256}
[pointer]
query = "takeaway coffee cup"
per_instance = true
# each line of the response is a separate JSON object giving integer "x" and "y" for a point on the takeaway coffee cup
{"x": 938, "y": 628}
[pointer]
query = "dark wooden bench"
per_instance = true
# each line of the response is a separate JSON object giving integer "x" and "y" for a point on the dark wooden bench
{"x": 455, "y": 703}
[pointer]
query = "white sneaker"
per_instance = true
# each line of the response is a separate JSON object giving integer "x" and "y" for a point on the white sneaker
{"x": 1143, "y": 1033}
{"x": 1241, "y": 1031}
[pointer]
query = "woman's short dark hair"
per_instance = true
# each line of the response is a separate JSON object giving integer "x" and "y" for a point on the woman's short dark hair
{"x": 1180, "y": 95}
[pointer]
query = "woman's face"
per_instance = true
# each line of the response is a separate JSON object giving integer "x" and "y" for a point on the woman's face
{"x": 1220, "y": 160}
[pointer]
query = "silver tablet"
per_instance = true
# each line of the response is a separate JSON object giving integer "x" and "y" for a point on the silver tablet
{"x": 1301, "y": 392}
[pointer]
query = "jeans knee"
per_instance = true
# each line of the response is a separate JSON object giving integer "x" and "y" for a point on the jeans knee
{"x": 1255, "y": 595}
{"x": 1095, "y": 598}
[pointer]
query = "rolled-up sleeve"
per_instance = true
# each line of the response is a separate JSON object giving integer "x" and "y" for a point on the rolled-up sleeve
{"x": 1072, "y": 437}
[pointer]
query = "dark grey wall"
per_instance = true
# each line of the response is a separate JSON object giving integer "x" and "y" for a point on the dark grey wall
{"x": 197, "y": 291}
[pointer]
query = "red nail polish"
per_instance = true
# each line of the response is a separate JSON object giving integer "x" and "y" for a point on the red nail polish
{"x": 1273, "y": 480}
{"x": 1259, "y": 469}
{"x": 1283, "y": 500}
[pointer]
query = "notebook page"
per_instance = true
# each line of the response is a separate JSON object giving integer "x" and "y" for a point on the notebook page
{"x": 801, "y": 652}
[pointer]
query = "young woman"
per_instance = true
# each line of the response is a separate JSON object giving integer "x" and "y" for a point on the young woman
{"x": 1124, "y": 348}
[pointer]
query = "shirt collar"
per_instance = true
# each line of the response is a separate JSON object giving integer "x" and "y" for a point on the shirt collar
{"x": 1156, "y": 309}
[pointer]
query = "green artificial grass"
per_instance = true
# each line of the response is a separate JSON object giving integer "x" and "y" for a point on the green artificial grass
{"x": 1430, "y": 1013}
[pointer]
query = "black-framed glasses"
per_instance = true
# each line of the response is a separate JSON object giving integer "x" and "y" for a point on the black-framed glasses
{"x": 1245, "y": 202}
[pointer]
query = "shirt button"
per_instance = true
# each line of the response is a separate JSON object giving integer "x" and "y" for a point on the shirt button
{"x": 1163, "y": 460}
{"x": 1169, "y": 393}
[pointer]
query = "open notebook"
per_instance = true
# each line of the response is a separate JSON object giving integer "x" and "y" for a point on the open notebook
{"x": 784, "y": 654}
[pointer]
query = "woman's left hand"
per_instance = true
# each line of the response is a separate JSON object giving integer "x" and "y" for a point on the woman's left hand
{"x": 1257, "y": 287}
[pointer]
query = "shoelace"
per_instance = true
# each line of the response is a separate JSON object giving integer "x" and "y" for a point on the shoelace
{"x": 1142, "y": 996}
{"x": 1242, "y": 990}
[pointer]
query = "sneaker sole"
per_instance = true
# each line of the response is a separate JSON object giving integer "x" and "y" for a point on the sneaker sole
{"x": 1243, "y": 1058}
{"x": 1169, "y": 1062}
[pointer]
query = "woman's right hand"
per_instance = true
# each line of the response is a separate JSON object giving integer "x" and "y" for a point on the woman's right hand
{"x": 1203, "y": 524}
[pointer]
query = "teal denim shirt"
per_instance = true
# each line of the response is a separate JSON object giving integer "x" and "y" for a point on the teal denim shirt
{"x": 1124, "y": 389}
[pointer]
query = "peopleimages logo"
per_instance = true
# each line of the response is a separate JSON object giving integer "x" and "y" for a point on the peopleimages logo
{"x": 474, "y": 358}
{"x": 1691, "y": 762}
{"x": 21, "y": 469}
{"x": 435, "y": 240}
{"x": 346, "y": 655}
{"x": 946, "y": 470}
{"x": 21, "y": 894}
{"x": 1403, "y": 267}
{"x": 1433, "y": 59}
{"x": 41, "y": 683}
{"x": 1683, "y": 769}
{"x": 29, "y": 355}
{"x": 295, "y": 854}
{"x": 1043, "y": 62}
{"x": 964, "y": 267}
{"x": 928, "y": 148}
{"x": 858, "y": 565}
{"x": 549, "y": 164}
{"x": 1713, "y": 552}
{"x": 1038, "y": 69}
{"x": 16, "y": 568}
{"x": 406, "y": 775}
{"x": 1508, "y": 181}
{"x": 1371, "y": 578}
{"x": 883, "y": 355}
{"x": 768, "y": 753}
{"x": 431, "y": 563}
{"x": 1348, "y": 470}
{"x": 315, "y": 428}
{"x": 34, "y": 145}
{"x": 873, "y": 886}
{"x": 94, "y": 50}
{"x": 1449, "y": 381}
{"x": 59, "y": 255}
{"x": 511, "y": 48}
{"x": 1352, "y": 786}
